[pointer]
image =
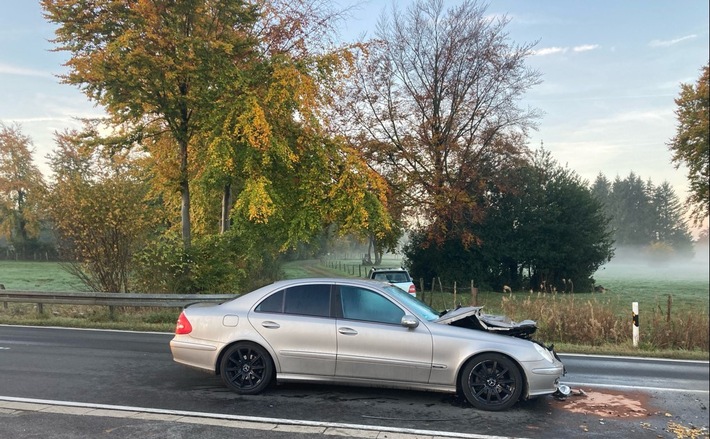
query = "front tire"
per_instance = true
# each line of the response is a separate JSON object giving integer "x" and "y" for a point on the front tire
{"x": 491, "y": 382}
{"x": 246, "y": 368}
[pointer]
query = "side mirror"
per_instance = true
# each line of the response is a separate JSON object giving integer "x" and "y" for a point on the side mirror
{"x": 409, "y": 321}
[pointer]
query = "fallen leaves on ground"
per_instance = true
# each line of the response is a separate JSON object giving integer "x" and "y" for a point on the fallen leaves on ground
{"x": 683, "y": 432}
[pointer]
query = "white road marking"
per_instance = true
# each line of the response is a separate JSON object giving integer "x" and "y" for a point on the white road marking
{"x": 623, "y": 357}
{"x": 621, "y": 386}
{"x": 224, "y": 420}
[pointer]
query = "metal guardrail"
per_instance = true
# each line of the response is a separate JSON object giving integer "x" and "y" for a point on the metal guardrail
{"x": 111, "y": 299}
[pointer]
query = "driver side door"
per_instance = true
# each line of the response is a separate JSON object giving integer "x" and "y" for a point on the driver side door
{"x": 372, "y": 343}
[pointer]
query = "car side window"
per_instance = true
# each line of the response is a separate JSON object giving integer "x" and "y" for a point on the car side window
{"x": 308, "y": 300}
{"x": 362, "y": 304}
{"x": 273, "y": 303}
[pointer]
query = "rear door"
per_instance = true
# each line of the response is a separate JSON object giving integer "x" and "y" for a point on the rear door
{"x": 297, "y": 324}
{"x": 373, "y": 344}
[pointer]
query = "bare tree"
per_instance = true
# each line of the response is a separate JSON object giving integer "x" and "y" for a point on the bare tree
{"x": 435, "y": 109}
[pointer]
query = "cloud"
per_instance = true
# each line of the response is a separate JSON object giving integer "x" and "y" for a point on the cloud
{"x": 6, "y": 69}
{"x": 558, "y": 50}
{"x": 669, "y": 43}
{"x": 550, "y": 51}
{"x": 585, "y": 47}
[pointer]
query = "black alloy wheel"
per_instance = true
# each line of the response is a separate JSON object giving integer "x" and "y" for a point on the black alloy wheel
{"x": 491, "y": 382}
{"x": 246, "y": 368}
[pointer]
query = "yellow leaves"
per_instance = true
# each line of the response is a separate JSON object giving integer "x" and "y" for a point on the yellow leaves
{"x": 255, "y": 202}
{"x": 253, "y": 127}
{"x": 220, "y": 155}
{"x": 292, "y": 90}
{"x": 681, "y": 431}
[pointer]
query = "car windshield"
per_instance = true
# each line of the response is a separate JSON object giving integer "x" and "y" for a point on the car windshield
{"x": 419, "y": 308}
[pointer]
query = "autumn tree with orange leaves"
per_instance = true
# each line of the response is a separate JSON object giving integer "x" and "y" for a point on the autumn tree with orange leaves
{"x": 691, "y": 144}
{"x": 229, "y": 99}
{"x": 157, "y": 67}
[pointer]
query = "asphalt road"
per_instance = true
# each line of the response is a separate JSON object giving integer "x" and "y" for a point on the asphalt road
{"x": 134, "y": 373}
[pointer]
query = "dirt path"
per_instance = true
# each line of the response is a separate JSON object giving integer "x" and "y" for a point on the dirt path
{"x": 311, "y": 268}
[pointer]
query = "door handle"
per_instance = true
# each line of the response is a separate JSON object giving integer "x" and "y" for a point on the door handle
{"x": 270, "y": 325}
{"x": 347, "y": 331}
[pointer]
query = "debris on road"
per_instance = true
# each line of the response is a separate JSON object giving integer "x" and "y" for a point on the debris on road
{"x": 607, "y": 404}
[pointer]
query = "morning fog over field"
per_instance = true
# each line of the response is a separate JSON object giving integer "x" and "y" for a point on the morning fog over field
{"x": 630, "y": 264}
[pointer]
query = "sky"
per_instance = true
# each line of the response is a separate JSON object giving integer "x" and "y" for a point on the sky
{"x": 611, "y": 70}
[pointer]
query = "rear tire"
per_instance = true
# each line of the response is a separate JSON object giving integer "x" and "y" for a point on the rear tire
{"x": 491, "y": 382}
{"x": 246, "y": 368}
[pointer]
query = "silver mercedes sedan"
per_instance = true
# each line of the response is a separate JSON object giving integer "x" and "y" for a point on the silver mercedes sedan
{"x": 365, "y": 333}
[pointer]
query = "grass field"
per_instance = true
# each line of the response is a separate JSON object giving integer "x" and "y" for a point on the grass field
{"x": 688, "y": 287}
{"x": 37, "y": 276}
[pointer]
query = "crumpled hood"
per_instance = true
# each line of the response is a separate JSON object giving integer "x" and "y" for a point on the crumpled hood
{"x": 459, "y": 313}
{"x": 500, "y": 324}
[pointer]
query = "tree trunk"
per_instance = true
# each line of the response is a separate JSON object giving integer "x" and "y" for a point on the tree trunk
{"x": 226, "y": 207}
{"x": 377, "y": 249}
{"x": 370, "y": 245}
{"x": 185, "y": 192}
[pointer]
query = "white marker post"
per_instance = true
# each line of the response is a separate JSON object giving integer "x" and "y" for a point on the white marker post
{"x": 635, "y": 321}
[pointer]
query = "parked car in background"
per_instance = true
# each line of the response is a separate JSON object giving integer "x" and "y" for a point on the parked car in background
{"x": 366, "y": 333}
{"x": 398, "y": 277}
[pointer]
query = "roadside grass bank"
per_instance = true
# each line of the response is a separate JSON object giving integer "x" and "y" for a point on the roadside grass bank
{"x": 582, "y": 323}
{"x": 91, "y": 317}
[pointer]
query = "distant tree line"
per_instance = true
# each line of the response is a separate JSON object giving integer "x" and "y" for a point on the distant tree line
{"x": 644, "y": 216}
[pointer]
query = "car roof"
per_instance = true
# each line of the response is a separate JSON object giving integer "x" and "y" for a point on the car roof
{"x": 333, "y": 280}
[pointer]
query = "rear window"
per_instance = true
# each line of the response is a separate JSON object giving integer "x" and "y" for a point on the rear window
{"x": 309, "y": 300}
{"x": 392, "y": 277}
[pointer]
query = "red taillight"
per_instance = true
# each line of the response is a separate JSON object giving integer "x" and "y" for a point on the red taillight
{"x": 412, "y": 289}
{"x": 183, "y": 325}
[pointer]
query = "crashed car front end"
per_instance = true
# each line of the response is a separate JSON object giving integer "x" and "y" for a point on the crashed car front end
{"x": 545, "y": 373}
